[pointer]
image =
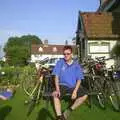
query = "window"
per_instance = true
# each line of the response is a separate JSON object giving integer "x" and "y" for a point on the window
{"x": 99, "y": 47}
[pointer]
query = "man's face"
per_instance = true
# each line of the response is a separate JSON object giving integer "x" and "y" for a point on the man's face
{"x": 67, "y": 54}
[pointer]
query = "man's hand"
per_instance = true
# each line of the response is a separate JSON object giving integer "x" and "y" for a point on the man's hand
{"x": 56, "y": 93}
{"x": 74, "y": 95}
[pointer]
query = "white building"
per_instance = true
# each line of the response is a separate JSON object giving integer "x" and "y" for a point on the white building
{"x": 40, "y": 52}
{"x": 97, "y": 33}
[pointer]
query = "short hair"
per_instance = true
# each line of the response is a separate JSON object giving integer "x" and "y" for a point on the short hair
{"x": 67, "y": 47}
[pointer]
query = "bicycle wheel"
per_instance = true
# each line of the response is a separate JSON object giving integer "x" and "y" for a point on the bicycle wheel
{"x": 31, "y": 81}
{"x": 99, "y": 89}
{"x": 31, "y": 106}
{"x": 114, "y": 102}
{"x": 29, "y": 84}
{"x": 88, "y": 85}
{"x": 34, "y": 100}
{"x": 101, "y": 100}
{"x": 114, "y": 98}
{"x": 90, "y": 100}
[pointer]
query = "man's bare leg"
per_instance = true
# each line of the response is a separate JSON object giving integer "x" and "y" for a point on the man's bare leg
{"x": 57, "y": 105}
{"x": 78, "y": 102}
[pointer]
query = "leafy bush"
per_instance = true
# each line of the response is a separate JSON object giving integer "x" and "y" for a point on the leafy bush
{"x": 15, "y": 75}
{"x": 11, "y": 75}
{"x": 116, "y": 50}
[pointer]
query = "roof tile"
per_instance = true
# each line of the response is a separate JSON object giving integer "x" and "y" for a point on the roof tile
{"x": 48, "y": 49}
{"x": 103, "y": 24}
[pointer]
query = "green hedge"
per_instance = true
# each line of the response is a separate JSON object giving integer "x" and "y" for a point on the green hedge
{"x": 14, "y": 75}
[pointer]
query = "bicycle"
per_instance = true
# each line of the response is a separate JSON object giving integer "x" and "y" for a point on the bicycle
{"x": 111, "y": 90}
{"x": 37, "y": 87}
{"x": 94, "y": 83}
{"x": 109, "y": 84}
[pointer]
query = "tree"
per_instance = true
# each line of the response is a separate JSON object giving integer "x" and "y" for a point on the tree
{"x": 116, "y": 50}
{"x": 18, "y": 49}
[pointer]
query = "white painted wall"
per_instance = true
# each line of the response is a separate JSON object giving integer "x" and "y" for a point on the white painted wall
{"x": 104, "y": 50}
{"x": 38, "y": 57}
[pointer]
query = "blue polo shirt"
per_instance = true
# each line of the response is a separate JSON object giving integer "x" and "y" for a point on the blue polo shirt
{"x": 68, "y": 74}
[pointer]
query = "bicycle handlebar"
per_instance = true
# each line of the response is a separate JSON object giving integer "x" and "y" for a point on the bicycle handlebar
{"x": 103, "y": 58}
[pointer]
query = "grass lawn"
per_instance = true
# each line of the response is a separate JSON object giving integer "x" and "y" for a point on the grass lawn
{"x": 15, "y": 109}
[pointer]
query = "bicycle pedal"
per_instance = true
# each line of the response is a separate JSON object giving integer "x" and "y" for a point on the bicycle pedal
{"x": 26, "y": 102}
{"x": 37, "y": 102}
{"x": 33, "y": 100}
{"x": 47, "y": 94}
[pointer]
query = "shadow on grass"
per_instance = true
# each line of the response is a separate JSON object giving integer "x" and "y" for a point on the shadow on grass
{"x": 4, "y": 111}
{"x": 93, "y": 101}
{"x": 44, "y": 114}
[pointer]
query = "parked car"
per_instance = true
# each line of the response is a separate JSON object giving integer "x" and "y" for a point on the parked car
{"x": 52, "y": 62}
{"x": 47, "y": 63}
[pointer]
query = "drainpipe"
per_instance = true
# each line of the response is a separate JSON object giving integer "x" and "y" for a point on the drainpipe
{"x": 107, "y": 8}
{"x": 81, "y": 37}
{"x": 78, "y": 39}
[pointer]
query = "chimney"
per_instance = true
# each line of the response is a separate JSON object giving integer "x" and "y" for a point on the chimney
{"x": 66, "y": 42}
{"x": 45, "y": 43}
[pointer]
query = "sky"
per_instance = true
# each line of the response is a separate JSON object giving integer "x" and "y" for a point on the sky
{"x": 54, "y": 20}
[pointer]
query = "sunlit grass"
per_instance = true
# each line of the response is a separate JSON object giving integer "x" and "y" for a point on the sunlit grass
{"x": 15, "y": 109}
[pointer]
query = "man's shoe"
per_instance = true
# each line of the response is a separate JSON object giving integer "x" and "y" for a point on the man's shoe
{"x": 61, "y": 117}
{"x": 66, "y": 114}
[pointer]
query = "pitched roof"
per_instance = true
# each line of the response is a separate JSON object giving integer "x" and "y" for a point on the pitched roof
{"x": 47, "y": 49}
{"x": 106, "y": 5}
{"x": 101, "y": 25}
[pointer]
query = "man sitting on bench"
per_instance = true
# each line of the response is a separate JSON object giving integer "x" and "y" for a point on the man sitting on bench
{"x": 68, "y": 76}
